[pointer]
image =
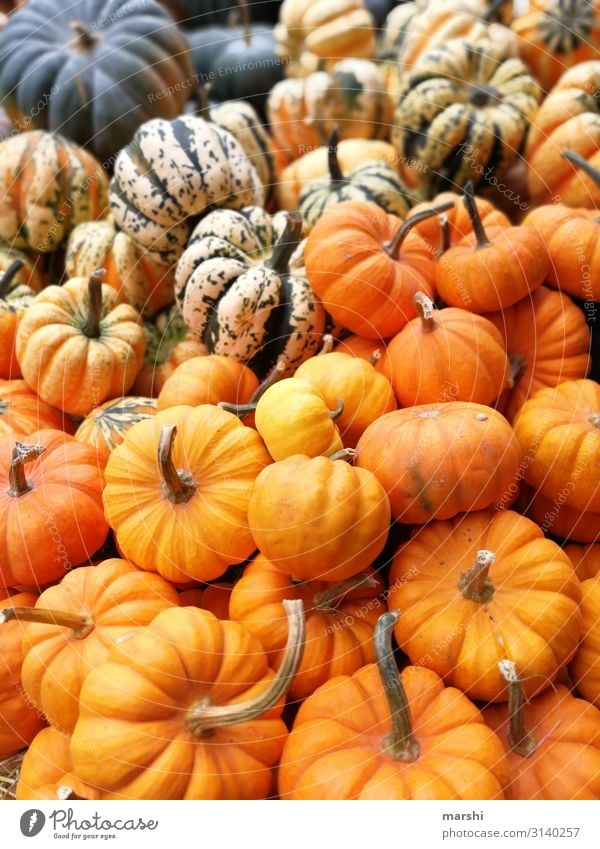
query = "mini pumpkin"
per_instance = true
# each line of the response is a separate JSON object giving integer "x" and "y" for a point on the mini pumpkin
{"x": 459, "y": 223}
{"x": 208, "y": 380}
{"x": 238, "y": 292}
{"x": 22, "y": 411}
{"x": 585, "y": 559}
{"x": 77, "y": 346}
{"x": 382, "y": 735}
{"x": 554, "y": 516}
{"x": 15, "y": 298}
{"x": 585, "y": 667}
{"x": 106, "y": 425}
{"x": 318, "y": 518}
{"x": 484, "y": 584}
{"x": 214, "y": 598}
{"x": 47, "y": 770}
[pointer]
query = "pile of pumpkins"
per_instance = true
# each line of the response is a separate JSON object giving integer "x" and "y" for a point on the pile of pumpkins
{"x": 299, "y": 424}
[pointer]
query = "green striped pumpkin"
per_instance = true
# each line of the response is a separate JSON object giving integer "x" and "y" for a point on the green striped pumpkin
{"x": 373, "y": 182}
{"x": 171, "y": 174}
{"x": 241, "y": 287}
{"x": 462, "y": 114}
{"x": 107, "y": 425}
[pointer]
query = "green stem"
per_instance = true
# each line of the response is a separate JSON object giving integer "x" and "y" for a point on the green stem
{"x": 580, "y": 162}
{"x": 286, "y": 244}
{"x": 473, "y": 212}
{"x": 243, "y": 410}
{"x": 335, "y": 414}
{"x": 325, "y": 599}
{"x": 336, "y": 175}
{"x": 392, "y": 248}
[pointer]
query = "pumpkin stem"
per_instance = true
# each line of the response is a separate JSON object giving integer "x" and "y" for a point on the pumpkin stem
{"x": 286, "y": 244}
{"x": 21, "y": 454}
{"x": 400, "y": 744}
{"x": 473, "y": 212}
{"x": 475, "y": 584}
{"x": 9, "y": 275}
{"x": 335, "y": 414}
{"x": 242, "y": 410}
{"x": 580, "y": 162}
{"x": 347, "y": 454}
{"x": 329, "y": 599}
{"x": 84, "y": 38}
{"x": 521, "y": 740}
{"x": 178, "y": 485}
{"x": 425, "y": 308}
{"x": 327, "y": 346}
{"x": 201, "y": 91}
{"x": 336, "y": 175}
{"x": 494, "y": 13}
{"x": 80, "y": 624}
{"x": 205, "y": 717}
{"x": 91, "y": 327}
{"x": 243, "y": 5}
{"x": 445, "y": 241}
{"x": 392, "y": 248}
{"x": 517, "y": 364}
{"x": 375, "y": 357}
{"x": 595, "y": 419}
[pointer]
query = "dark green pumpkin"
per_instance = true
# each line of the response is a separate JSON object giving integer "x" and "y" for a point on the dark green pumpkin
{"x": 94, "y": 70}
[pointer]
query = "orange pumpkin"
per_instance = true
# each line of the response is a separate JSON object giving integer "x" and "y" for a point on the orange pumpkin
{"x": 193, "y": 702}
{"x": 360, "y": 346}
{"x": 585, "y": 667}
{"x": 22, "y": 411}
{"x": 484, "y": 584}
{"x": 214, "y": 598}
{"x": 177, "y": 492}
{"x": 50, "y": 507}
{"x": 366, "y": 266}
{"x": 78, "y": 347}
{"x": 380, "y": 735}
{"x": 445, "y": 355}
{"x": 552, "y": 742}
{"x": 559, "y": 432}
{"x": 318, "y": 518}
{"x": 340, "y": 619}
{"x": 585, "y": 559}
{"x": 15, "y": 298}
{"x": 491, "y": 269}
{"x": 20, "y": 721}
{"x": 459, "y": 223}
{"x": 547, "y": 340}
{"x": 208, "y": 380}
{"x": 366, "y": 394}
{"x": 554, "y": 516}
{"x": 73, "y": 625}
{"x": 107, "y": 425}
{"x": 439, "y": 475}
{"x": 169, "y": 342}
{"x": 47, "y": 770}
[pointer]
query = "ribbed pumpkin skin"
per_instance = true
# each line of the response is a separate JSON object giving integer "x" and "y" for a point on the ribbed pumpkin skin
{"x": 67, "y": 368}
{"x": 20, "y": 721}
{"x": 556, "y": 34}
{"x": 559, "y": 430}
{"x": 22, "y": 411}
{"x": 460, "y": 356}
{"x": 208, "y": 380}
{"x": 47, "y": 766}
{"x": 103, "y": 85}
{"x": 440, "y": 475}
{"x": 118, "y": 598}
{"x": 366, "y": 393}
{"x": 334, "y": 750}
{"x": 201, "y": 658}
{"x": 199, "y": 538}
{"x": 585, "y": 559}
{"x": 59, "y": 522}
{"x": 214, "y": 598}
{"x": 154, "y": 196}
{"x": 318, "y": 519}
{"x": 143, "y": 279}
{"x": 303, "y": 113}
{"x": 566, "y": 763}
{"x": 548, "y": 342}
{"x": 48, "y": 186}
{"x": 339, "y": 636}
{"x": 106, "y": 426}
{"x": 585, "y": 667}
{"x": 462, "y": 140}
{"x": 555, "y": 517}
{"x": 533, "y": 615}
{"x": 12, "y": 307}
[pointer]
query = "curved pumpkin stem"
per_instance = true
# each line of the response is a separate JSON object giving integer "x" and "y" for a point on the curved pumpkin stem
{"x": 207, "y": 717}
{"x": 178, "y": 486}
{"x": 91, "y": 327}
{"x": 9, "y": 275}
{"x": 475, "y": 584}
{"x": 330, "y": 598}
{"x": 84, "y": 38}
{"x": 473, "y": 212}
{"x": 335, "y": 414}
{"x": 580, "y": 162}
{"x": 243, "y": 410}
{"x": 286, "y": 244}
{"x": 425, "y": 309}
{"x": 79, "y": 623}
{"x": 347, "y": 454}
{"x": 521, "y": 740}
{"x": 517, "y": 363}
{"x": 400, "y": 744}
{"x": 392, "y": 248}
{"x": 21, "y": 454}
{"x": 445, "y": 241}
{"x": 336, "y": 175}
{"x": 327, "y": 346}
